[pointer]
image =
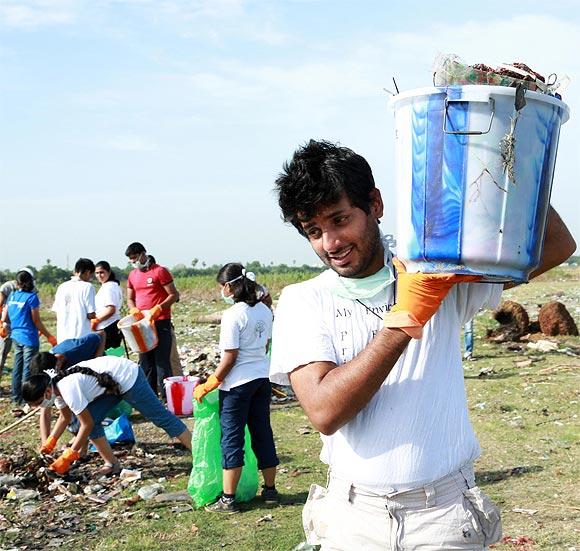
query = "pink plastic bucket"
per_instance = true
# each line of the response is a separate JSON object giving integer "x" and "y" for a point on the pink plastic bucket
{"x": 179, "y": 391}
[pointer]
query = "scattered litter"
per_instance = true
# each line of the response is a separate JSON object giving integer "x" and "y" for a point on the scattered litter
{"x": 304, "y": 430}
{"x": 18, "y": 494}
{"x": 178, "y": 509}
{"x": 194, "y": 529}
{"x": 486, "y": 372}
{"x": 523, "y": 363}
{"x": 543, "y": 346}
{"x": 149, "y": 492}
{"x": 525, "y": 511}
{"x": 265, "y": 518}
{"x": 129, "y": 475}
{"x": 183, "y": 495}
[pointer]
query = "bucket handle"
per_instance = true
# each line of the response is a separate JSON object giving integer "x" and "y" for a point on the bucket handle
{"x": 467, "y": 132}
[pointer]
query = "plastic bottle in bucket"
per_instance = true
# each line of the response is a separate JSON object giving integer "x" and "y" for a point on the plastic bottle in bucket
{"x": 474, "y": 175}
{"x": 179, "y": 392}
{"x": 139, "y": 332}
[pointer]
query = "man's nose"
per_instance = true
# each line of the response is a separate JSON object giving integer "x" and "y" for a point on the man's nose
{"x": 331, "y": 240}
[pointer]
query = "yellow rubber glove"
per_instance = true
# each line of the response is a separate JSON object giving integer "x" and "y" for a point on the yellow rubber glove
{"x": 201, "y": 390}
{"x": 418, "y": 298}
{"x": 155, "y": 312}
{"x": 49, "y": 445}
{"x": 94, "y": 323}
{"x": 63, "y": 463}
{"x": 52, "y": 340}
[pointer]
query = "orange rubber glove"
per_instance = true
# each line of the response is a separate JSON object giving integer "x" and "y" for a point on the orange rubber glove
{"x": 63, "y": 463}
{"x": 49, "y": 445}
{"x": 52, "y": 340}
{"x": 136, "y": 313}
{"x": 3, "y": 331}
{"x": 418, "y": 298}
{"x": 201, "y": 390}
{"x": 94, "y": 323}
{"x": 155, "y": 312}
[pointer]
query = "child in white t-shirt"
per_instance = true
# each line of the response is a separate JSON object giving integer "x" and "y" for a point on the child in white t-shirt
{"x": 244, "y": 386}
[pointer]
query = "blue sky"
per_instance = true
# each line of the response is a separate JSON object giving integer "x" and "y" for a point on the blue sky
{"x": 167, "y": 121}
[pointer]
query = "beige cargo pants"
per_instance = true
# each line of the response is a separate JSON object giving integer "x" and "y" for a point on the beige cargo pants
{"x": 451, "y": 513}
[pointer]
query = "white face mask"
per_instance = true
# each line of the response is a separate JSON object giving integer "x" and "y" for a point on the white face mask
{"x": 228, "y": 299}
{"x": 140, "y": 265}
{"x": 366, "y": 287}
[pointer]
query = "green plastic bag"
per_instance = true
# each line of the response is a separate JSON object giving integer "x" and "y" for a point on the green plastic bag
{"x": 119, "y": 351}
{"x": 205, "y": 480}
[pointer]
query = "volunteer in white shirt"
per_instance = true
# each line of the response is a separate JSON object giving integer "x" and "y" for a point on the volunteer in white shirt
{"x": 245, "y": 390}
{"x": 108, "y": 304}
{"x": 74, "y": 303}
{"x": 77, "y": 390}
{"x": 373, "y": 355}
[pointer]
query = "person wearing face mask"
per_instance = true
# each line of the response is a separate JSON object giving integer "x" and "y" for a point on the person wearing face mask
{"x": 244, "y": 387}
{"x": 74, "y": 303}
{"x": 63, "y": 355}
{"x": 150, "y": 287}
{"x": 373, "y": 354}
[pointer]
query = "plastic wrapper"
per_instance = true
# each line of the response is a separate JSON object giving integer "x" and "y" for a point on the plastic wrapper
{"x": 450, "y": 70}
{"x": 205, "y": 480}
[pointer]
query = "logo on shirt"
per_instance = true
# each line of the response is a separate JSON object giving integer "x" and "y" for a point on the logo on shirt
{"x": 260, "y": 328}
{"x": 149, "y": 281}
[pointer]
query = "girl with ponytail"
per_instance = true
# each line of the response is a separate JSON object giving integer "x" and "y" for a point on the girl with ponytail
{"x": 89, "y": 390}
{"x": 244, "y": 387}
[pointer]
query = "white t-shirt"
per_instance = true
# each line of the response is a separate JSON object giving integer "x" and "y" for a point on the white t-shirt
{"x": 247, "y": 329}
{"x": 77, "y": 391}
{"x": 74, "y": 299}
{"x": 110, "y": 294}
{"x": 416, "y": 428}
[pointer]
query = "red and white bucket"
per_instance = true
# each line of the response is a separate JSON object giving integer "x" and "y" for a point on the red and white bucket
{"x": 179, "y": 392}
{"x": 140, "y": 333}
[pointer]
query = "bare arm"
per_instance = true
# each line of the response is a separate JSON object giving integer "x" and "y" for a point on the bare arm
{"x": 86, "y": 420}
{"x": 63, "y": 420}
{"x": 35, "y": 314}
{"x": 332, "y": 395}
{"x": 226, "y": 364}
{"x": 44, "y": 422}
{"x": 559, "y": 245}
{"x": 106, "y": 312}
{"x": 172, "y": 296}
{"x": 130, "y": 297}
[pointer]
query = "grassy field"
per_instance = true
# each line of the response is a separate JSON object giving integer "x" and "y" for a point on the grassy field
{"x": 523, "y": 405}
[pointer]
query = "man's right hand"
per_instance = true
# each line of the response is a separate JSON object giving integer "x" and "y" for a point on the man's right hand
{"x": 418, "y": 298}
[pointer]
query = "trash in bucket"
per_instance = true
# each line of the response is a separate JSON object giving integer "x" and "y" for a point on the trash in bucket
{"x": 140, "y": 334}
{"x": 474, "y": 177}
{"x": 179, "y": 392}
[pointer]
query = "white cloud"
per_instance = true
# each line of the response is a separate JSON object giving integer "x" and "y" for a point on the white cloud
{"x": 30, "y": 14}
{"x": 132, "y": 143}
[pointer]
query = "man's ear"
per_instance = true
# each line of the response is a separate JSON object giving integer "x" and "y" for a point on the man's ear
{"x": 376, "y": 203}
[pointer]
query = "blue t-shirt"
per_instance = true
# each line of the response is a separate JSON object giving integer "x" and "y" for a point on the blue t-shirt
{"x": 78, "y": 350}
{"x": 20, "y": 306}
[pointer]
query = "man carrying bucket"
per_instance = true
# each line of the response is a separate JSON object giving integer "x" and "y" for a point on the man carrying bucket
{"x": 373, "y": 354}
{"x": 150, "y": 287}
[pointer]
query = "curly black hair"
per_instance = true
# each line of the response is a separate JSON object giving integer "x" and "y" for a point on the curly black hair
{"x": 317, "y": 176}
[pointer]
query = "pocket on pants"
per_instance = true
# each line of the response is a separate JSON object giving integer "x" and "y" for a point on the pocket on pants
{"x": 313, "y": 515}
{"x": 487, "y": 514}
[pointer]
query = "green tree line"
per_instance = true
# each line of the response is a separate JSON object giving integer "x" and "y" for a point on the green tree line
{"x": 50, "y": 274}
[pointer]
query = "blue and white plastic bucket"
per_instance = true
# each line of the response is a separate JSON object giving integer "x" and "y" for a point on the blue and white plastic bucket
{"x": 474, "y": 178}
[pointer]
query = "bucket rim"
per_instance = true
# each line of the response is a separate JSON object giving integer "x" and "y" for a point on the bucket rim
{"x": 479, "y": 92}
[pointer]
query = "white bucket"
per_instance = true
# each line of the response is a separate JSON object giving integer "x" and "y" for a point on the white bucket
{"x": 461, "y": 206}
{"x": 140, "y": 334}
{"x": 179, "y": 392}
